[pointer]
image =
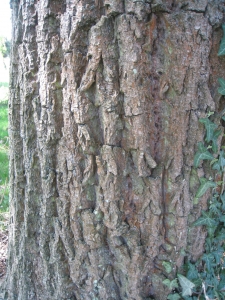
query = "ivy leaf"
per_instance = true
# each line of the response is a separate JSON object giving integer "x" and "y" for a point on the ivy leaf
{"x": 167, "y": 266}
{"x": 210, "y": 113}
{"x": 215, "y": 207}
{"x": 216, "y": 166}
{"x": 205, "y": 185}
{"x": 222, "y": 197}
{"x": 192, "y": 271}
{"x": 210, "y": 128}
{"x": 222, "y": 219}
{"x": 211, "y": 232}
{"x": 221, "y": 294}
{"x": 208, "y": 240}
{"x": 173, "y": 297}
{"x": 186, "y": 285}
{"x": 217, "y": 133}
{"x": 222, "y": 280}
{"x": 221, "y": 89}
{"x": 220, "y": 236}
{"x": 206, "y": 220}
{"x": 222, "y": 44}
{"x": 208, "y": 259}
{"x": 222, "y": 159}
{"x": 218, "y": 254}
{"x": 214, "y": 281}
{"x": 202, "y": 154}
{"x": 171, "y": 284}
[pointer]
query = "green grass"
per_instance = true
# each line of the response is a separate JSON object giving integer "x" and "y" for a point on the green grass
{"x": 4, "y": 160}
{"x": 4, "y": 84}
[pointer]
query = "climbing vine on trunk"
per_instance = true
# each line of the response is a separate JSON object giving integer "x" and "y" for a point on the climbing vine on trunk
{"x": 205, "y": 278}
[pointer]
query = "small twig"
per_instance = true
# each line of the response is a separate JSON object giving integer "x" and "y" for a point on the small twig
{"x": 206, "y": 297}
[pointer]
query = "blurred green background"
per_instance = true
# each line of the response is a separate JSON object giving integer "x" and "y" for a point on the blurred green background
{"x": 4, "y": 140}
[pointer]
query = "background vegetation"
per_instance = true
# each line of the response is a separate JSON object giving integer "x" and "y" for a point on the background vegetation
{"x": 4, "y": 142}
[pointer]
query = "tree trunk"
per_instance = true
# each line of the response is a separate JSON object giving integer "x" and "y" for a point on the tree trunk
{"x": 105, "y": 103}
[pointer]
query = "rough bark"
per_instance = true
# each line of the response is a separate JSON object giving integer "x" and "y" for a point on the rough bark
{"x": 105, "y": 103}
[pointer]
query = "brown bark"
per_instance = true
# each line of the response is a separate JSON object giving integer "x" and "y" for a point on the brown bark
{"x": 105, "y": 103}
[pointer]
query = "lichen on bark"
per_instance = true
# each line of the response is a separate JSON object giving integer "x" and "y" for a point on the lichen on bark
{"x": 105, "y": 103}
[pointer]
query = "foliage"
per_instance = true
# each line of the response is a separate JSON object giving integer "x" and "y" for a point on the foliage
{"x": 205, "y": 185}
{"x": 4, "y": 84}
{"x": 167, "y": 265}
{"x": 174, "y": 296}
{"x": 202, "y": 154}
{"x": 222, "y": 44}
{"x": 171, "y": 284}
{"x": 5, "y": 46}
{"x": 4, "y": 161}
{"x": 186, "y": 285}
{"x": 221, "y": 89}
{"x": 205, "y": 279}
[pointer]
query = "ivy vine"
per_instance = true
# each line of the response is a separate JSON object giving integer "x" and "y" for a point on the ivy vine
{"x": 205, "y": 279}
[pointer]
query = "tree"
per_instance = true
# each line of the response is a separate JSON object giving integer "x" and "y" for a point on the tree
{"x": 104, "y": 124}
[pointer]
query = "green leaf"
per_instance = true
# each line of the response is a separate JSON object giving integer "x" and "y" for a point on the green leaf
{"x": 167, "y": 266}
{"x": 208, "y": 240}
{"x": 204, "y": 186}
{"x": 190, "y": 298}
{"x": 171, "y": 284}
{"x": 221, "y": 89}
{"x": 218, "y": 254}
{"x": 217, "y": 133}
{"x": 219, "y": 182}
{"x": 213, "y": 161}
{"x": 192, "y": 271}
{"x": 206, "y": 220}
{"x": 215, "y": 206}
{"x": 222, "y": 219}
{"x": 222, "y": 43}
{"x": 197, "y": 282}
{"x": 216, "y": 166}
{"x": 167, "y": 282}
{"x": 222, "y": 280}
{"x": 173, "y": 297}
{"x": 211, "y": 231}
{"x": 222, "y": 197}
{"x": 186, "y": 285}
{"x": 210, "y": 128}
{"x": 202, "y": 154}
{"x": 220, "y": 236}
{"x": 210, "y": 113}
{"x": 214, "y": 280}
{"x": 221, "y": 294}
{"x": 208, "y": 259}
{"x": 222, "y": 159}
{"x": 201, "y": 147}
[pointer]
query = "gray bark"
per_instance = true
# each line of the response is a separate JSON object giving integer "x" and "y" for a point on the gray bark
{"x": 105, "y": 103}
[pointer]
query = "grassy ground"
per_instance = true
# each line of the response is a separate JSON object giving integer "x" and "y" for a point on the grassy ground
{"x": 4, "y": 148}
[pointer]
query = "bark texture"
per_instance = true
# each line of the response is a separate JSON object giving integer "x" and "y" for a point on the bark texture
{"x": 106, "y": 97}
